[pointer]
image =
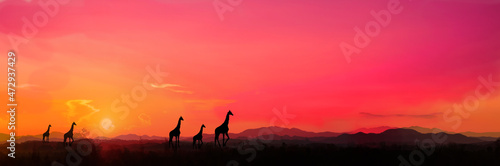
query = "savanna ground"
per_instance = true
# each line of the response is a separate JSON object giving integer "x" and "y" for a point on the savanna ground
{"x": 114, "y": 152}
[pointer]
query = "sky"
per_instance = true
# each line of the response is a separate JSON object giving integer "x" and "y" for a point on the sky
{"x": 262, "y": 58}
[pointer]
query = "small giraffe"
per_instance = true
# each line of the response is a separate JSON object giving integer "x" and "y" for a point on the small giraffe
{"x": 46, "y": 134}
{"x": 223, "y": 129}
{"x": 175, "y": 133}
{"x": 69, "y": 135}
{"x": 198, "y": 137}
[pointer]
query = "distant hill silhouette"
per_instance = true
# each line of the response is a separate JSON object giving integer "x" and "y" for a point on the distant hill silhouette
{"x": 54, "y": 137}
{"x": 280, "y": 131}
{"x": 485, "y": 135}
{"x": 362, "y": 135}
{"x": 396, "y": 136}
{"x": 372, "y": 130}
{"x": 424, "y": 130}
{"x": 4, "y": 136}
{"x": 391, "y": 136}
{"x": 137, "y": 137}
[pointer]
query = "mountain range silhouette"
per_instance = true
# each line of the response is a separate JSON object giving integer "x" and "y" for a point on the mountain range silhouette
{"x": 359, "y": 136}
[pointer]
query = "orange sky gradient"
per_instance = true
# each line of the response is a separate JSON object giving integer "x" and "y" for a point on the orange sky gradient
{"x": 265, "y": 55}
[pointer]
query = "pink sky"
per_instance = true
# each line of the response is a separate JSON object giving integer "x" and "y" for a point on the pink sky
{"x": 263, "y": 55}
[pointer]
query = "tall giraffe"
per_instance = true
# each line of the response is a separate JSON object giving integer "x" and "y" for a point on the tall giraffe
{"x": 69, "y": 135}
{"x": 223, "y": 129}
{"x": 46, "y": 134}
{"x": 198, "y": 137}
{"x": 175, "y": 133}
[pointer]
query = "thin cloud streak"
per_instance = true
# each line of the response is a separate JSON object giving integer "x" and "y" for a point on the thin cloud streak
{"x": 72, "y": 109}
{"x": 170, "y": 88}
{"x": 164, "y": 85}
{"x": 424, "y": 116}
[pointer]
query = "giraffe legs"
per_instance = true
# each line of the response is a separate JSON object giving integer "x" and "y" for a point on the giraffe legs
{"x": 174, "y": 144}
{"x": 70, "y": 141}
{"x": 197, "y": 144}
{"x": 223, "y": 142}
{"x": 227, "y": 138}
{"x": 217, "y": 139}
{"x": 178, "y": 145}
{"x": 170, "y": 142}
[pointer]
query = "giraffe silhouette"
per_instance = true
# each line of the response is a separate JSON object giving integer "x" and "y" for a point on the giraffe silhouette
{"x": 69, "y": 135}
{"x": 46, "y": 134}
{"x": 198, "y": 137}
{"x": 223, "y": 129}
{"x": 175, "y": 133}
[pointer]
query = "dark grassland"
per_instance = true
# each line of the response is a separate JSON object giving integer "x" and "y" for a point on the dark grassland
{"x": 143, "y": 153}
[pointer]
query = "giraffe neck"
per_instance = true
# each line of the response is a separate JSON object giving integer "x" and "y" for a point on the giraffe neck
{"x": 71, "y": 130}
{"x": 226, "y": 122}
{"x": 201, "y": 131}
{"x": 48, "y": 129}
{"x": 178, "y": 124}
